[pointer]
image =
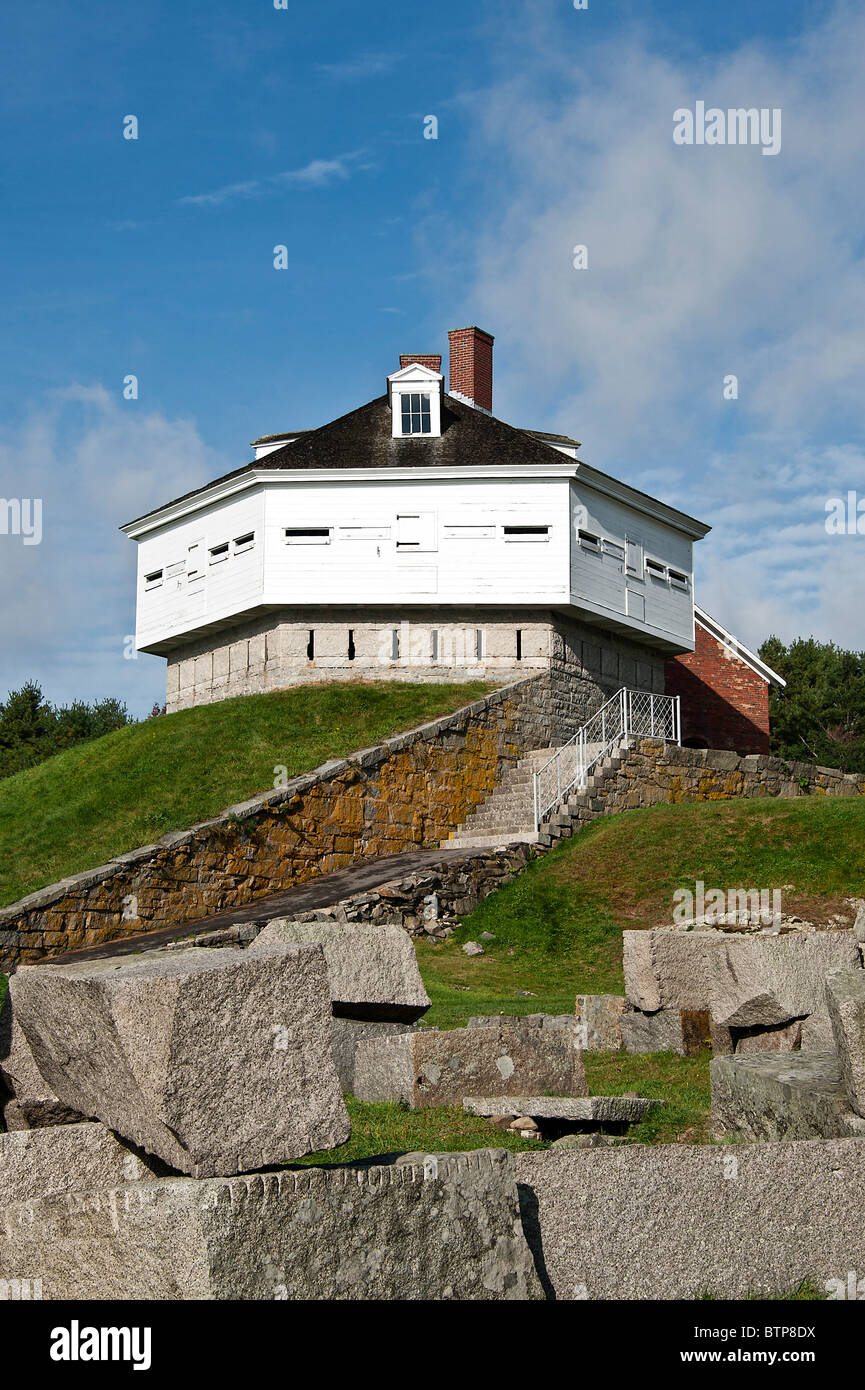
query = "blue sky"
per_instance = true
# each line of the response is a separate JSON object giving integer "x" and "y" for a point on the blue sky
{"x": 304, "y": 127}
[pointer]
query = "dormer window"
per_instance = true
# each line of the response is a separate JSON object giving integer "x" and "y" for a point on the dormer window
{"x": 415, "y": 412}
{"x": 415, "y": 397}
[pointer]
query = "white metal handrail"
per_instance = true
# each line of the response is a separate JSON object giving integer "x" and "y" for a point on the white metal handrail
{"x": 629, "y": 712}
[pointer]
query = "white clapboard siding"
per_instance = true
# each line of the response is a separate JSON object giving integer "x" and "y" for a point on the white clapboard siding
{"x": 425, "y": 541}
{"x": 599, "y": 580}
{"x": 182, "y": 603}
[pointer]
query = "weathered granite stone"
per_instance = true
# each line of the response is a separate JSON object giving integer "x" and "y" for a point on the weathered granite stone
{"x": 215, "y": 1060}
{"x": 657, "y": 1032}
{"x": 845, "y": 998}
{"x": 677, "y": 1221}
{"x": 27, "y": 1099}
{"x": 70, "y": 1158}
{"x": 448, "y": 1229}
{"x": 598, "y": 1022}
{"x": 686, "y": 1032}
{"x": 373, "y": 971}
{"x": 599, "y": 1110}
{"x": 786, "y": 1038}
{"x": 744, "y": 980}
{"x": 347, "y": 1033}
{"x": 770, "y": 980}
{"x": 641, "y": 981}
{"x": 564, "y": 1022}
{"x": 817, "y": 1034}
{"x": 440, "y": 1067}
{"x": 592, "y": 1139}
{"x": 799, "y": 1095}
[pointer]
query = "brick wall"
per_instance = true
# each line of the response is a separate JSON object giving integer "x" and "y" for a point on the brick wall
{"x": 433, "y": 360}
{"x": 725, "y": 704}
{"x": 471, "y": 365}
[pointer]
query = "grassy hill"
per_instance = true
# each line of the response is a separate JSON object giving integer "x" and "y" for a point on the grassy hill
{"x": 558, "y": 927}
{"x": 81, "y": 807}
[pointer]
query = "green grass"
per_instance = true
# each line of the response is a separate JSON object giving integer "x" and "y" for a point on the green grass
{"x": 558, "y": 926}
{"x": 804, "y": 1292}
{"x": 82, "y": 807}
{"x": 390, "y": 1128}
{"x": 682, "y": 1082}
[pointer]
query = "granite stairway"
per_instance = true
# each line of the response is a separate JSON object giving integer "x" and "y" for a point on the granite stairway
{"x": 582, "y": 804}
{"x": 508, "y": 813}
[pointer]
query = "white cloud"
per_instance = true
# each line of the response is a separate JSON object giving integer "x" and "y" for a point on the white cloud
{"x": 364, "y": 65}
{"x": 702, "y": 262}
{"x": 95, "y": 462}
{"x": 318, "y": 173}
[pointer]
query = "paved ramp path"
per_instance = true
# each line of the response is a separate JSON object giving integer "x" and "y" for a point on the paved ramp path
{"x": 323, "y": 891}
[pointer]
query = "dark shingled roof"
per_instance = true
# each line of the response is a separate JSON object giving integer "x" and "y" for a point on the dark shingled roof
{"x": 283, "y": 434}
{"x": 363, "y": 439}
{"x": 557, "y": 438}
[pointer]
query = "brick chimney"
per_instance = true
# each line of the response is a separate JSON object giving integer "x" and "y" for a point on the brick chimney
{"x": 424, "y": 359}
{"x": 472, "y": 366}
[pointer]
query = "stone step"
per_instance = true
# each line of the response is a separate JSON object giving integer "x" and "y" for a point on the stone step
{"x": 496, "y": 825}
{"x": 500, "y": 813}
{"x": 526, "y": 837}
{"x": 505, "y": 803}
{"x": 513, "y": 816}
{"x": 496, "y": 809}
{"x": 505, "y": 799}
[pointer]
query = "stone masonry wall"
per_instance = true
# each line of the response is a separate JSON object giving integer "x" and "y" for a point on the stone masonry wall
{"x": 409, "y": 792}
{"x": 586, "y": 664}
{"x": 428, "y": 901}
{"x": 651, "y": 772}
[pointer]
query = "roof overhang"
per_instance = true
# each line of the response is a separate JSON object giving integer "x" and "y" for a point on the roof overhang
{"x": 708, "y": 623}
{"x": 285, "y": 477}
{"x": 641, "y": 501}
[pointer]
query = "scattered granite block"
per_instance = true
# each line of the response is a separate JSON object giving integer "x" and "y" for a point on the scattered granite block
{"x": 440, "y": 1067}
{"x": 845, "y": 998}
{"x": 798, "y": 1095}
{"x": 677, "y": 1221}
{"x": 447, "y": 1229}
{"x": 598, "y": 1022}
{"x": 817, "y": 1034}
{"x": 785, "y": 1038}
{"x": 565, "y": 1022}
{"x": 578, "y": 1110}
{"x": 28, "y": 1102}
{"x": 68, "y": 1158}
{"x": 373, "y": 971}
{"x": 217, "y": 1061}
{"x": 348, "y": 1033}
{"x": 744, "y": 980}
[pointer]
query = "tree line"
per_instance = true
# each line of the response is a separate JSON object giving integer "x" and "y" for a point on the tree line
{"x": 818, "y": 718}
{"x": 32, "y": 729}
